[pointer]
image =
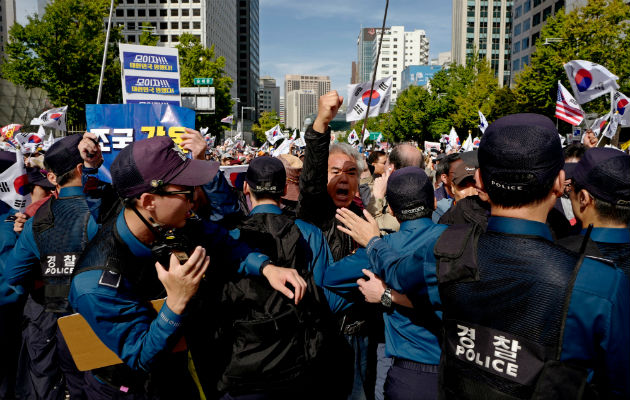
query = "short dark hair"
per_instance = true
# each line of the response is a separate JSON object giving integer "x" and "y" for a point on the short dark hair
{"x": 574, "y": 150}
{"x": 277, "y": 197}
{"x": 408, "y": 216}
{"x": 375, "y": 155}
{"x": 513, "y": 199}
{"x": 65, "y": 178}
{"x": 398, "y": 159}
{"x": 608, "y": 211}
{"x": 445, "y": 164}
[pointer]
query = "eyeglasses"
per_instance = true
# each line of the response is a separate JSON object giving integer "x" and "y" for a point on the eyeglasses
{"x": 190, "y": 193}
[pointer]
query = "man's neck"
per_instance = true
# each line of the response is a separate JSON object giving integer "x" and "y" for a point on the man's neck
{"x": 534, "y": 212}
{"x": 593, "y": 218}
{"x": 138, "y": 228}
{"x": 256, "y": 203}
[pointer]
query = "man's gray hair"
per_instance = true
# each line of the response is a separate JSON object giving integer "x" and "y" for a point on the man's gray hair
{"x": 345, "y": 148}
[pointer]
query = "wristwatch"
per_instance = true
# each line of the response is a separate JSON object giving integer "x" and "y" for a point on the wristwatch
{"x": 386, "y": 298}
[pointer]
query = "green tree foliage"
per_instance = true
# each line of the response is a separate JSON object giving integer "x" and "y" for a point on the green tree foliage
{"x": 267, "y": 120}
{"x": 196, "y": 61}
{"x": 61, "y": 52}
{"x": 148, "y": 37}
{"x": 598, "y": 32}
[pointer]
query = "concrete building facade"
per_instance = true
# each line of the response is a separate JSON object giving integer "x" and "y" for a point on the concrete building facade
{"x": 268, "y": 95}
{"x": 248, "y": 57}
{"x": 300, "y": 104}
{"x": 484, "y": 26}
{"x": 7, "y": 19}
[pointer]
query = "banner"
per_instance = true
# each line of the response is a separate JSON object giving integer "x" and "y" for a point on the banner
{"x": 359, "y": 96}
{"x": 589, "y": 80}
{"x": 118, "y": 125}
{"x": 150, "y": 74}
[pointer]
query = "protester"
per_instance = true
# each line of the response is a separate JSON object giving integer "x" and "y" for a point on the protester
{"x": 483, "y": 319}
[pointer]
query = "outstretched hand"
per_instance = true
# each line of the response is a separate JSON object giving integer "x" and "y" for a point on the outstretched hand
{"x": 362, "y": 231}
{"x": 278, "y": 278}
{"x": 181, "y": 281}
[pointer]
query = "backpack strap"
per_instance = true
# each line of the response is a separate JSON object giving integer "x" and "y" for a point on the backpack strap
{"x": 456, "y": 253}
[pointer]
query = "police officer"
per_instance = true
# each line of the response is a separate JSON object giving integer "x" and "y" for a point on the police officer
{"x": 410, "y": 334}
{"x": 54, "y": 238}
{"x": 600, "y": 195}
{"x": 118, "y": 273}
{"x": 523, "y": 317}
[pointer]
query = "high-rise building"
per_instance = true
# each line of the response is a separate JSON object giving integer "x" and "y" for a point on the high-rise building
{"x": 354, "y": 75}
{"x": 484, "y": 26}
{"x": 320, "y": 84}
{"x": 268, "y": 95}
{"x": 300, "y": 103}
{"x": 213, "y": 22}
{"x": 282, "y": 114}
{"x": 7, "y": 19}
{"x": 248, "y": 57}
{"x": 399, "y": 49}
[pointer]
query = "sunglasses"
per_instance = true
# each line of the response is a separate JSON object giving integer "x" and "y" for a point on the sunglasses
{"x": 189, "y": 193}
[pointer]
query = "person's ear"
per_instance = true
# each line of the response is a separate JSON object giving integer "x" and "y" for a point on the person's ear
{"x": 246, "y": 189}
{"x": 585, "y": 199}
{"x": 478, "y": 181}
{"x": 558, "y": 184}
{"x": 284, "y": 192}
{"x": 147, "y": 201}
{"x": 79, "y": 169}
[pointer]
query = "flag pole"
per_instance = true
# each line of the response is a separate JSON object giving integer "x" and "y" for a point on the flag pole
{"x": 109, "y": 27}
{"x": 612, "y": 114}
{"x": 378, "y": 54}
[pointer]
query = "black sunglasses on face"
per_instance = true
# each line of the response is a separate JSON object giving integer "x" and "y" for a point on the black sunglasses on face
{"x": 189, "y": 193}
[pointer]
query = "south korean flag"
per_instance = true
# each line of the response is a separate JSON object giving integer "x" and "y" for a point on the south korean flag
{"x": 359, "y": 96}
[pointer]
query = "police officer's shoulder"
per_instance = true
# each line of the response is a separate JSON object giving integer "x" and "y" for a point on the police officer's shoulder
{"x": 97, "y": 281}
{"x": 307, "y": 229}
{"x": 600, "y": 278}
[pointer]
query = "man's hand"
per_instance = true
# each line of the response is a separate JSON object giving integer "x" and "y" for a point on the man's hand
{"x": 20, "y": 220}
{"x": 373, "y": 288}
{"x": 589, "y": 139}
{"x": 380, "y": 185}
{"x": 278, "y": 278}
{"x": 90, "y": 150}
{"x": 181, "y": 281}
{"x": 195, "y": 143}
{"x": 328, "y": 106}
{"x": 360, "y": 230}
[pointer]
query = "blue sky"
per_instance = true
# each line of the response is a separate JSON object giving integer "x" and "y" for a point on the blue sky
{"x": 320, "y": 36}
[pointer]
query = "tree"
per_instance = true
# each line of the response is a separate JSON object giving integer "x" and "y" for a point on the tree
{"x": 198, "y": 61}
{"x": 267, "y": 120}
{"x": 598, "y": 32}
{"x": 61, "y": 53}
{"x": 148, "y": 36}
{"x": 477, "y": 95}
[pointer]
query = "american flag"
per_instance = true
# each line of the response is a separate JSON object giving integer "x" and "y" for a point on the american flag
{"x": 567, "y": 109}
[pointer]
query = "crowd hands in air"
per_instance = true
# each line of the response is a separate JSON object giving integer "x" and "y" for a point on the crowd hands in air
{"x": 326, "y": 273}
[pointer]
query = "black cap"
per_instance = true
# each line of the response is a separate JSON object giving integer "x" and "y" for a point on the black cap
{"x": 569, "y": 167}
{"x": 149, "y": 164}
{"x": 605, "y": 173}
{"x": 519, "y": 152}
{"x": 7, "y": 159}
{"x": 63, "y": 156}
{"x": 409, "y": 190}
{"x": 37, "y": 177}
{"x": 266, "y": 175}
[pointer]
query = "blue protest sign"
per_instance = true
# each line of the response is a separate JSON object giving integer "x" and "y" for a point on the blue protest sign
{"x": 118, "y": 125}
{"x": 148, "y": 85}
{"x": 150, "y": 62}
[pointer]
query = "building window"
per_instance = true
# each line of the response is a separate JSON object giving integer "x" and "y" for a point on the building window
{"x": 131, "y": 38}
{"x": 163, "y": 38}
{"x": 152, "y": 12}
{"x": 163, "y": 25}
{"x": 174, "y": 25}
{"x": 518, "y": 11}
{"x": 174, "y": 1}
{"x": 535, "y": 37}
{"x": 546, "y": 13}
{"x": 174, "y": 38}
{"x": 163, "y": 13}
{"x": 517, "y": 47}
{"x": 524, "y": 61}
{"x": 152, "y": 1}
{"x": 537, "y": 3}
{"x": 142, "y": 13}
{"x": 131, "y": 26}
{"x": 517, "y": 30}
{"x": 185, "y": 25}
{"x": 174, "y": 12}
{"x": 130, "y": 1}
{"x": 120, "y": 12}
{"x": 196, "y": 12}
{"x": 515, "y": 65}
{"x": 526, "y": 25}
{"x": 196, "y": 25}
{"x": 525, "y": 43}
{"x": 559, "y": 5}
{"x": 131, "y": 12}
{"x": 527, "y": 6}
{"x": 536, "y": 19}
{"x": 185, "y": 12}
{"x": 140, "y": 1}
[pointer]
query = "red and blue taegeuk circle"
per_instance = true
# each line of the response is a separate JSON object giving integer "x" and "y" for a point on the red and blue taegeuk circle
{"x": 20, "y": 184}
{"x": 375, "y": 97}
{"x": 583, "y": 79}
{"x": 621, "y": 106}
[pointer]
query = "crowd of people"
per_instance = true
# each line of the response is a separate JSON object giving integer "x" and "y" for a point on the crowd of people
{"x": 498, "y": 273}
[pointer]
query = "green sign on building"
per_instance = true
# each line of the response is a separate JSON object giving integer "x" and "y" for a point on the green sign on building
{"x": 203, "y": 81}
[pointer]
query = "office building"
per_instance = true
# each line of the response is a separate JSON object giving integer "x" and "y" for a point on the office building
{"x": 268, "y": 96}
{"x": 300, "y": 104}
{"x": 248, "y": 57}
{"x": 319, "y": 83}
{"x": 484, "y": 26}
{"x": 282, "y": 114}
{"x": 399, "y": 49}
{"x": 7, "y": 19}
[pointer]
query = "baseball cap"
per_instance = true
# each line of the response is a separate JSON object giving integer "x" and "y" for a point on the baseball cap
{"x": 37, "y": 177}
{"x": 266, "y": 175}
{"x": 463, "y": 171}
{"x": 605, "y": 173}
{"x": 519, "y": 152}
{"x": 151, "y": 163}
{"x": 409, "y": 190}
{"x": 63, "y": 156}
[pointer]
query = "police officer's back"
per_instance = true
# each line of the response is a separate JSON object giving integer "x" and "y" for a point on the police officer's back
{"x": 530, "y": 319}
{"x": 600, "y": 195}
